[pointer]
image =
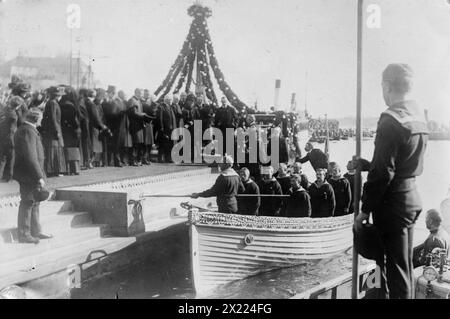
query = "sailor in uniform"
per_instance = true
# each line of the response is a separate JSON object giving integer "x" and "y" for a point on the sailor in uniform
{"x": 390, "y": 192}
{"x": 226, "y": 187}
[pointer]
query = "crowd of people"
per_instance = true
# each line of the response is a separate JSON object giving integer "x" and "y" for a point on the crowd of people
{"x": 86, "y": 128}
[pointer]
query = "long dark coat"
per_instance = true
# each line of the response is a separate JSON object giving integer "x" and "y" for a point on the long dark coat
{"x": 55, "y": 162}
{"x": 137, "y": 123}
{"x": 86, "y": 145}
{"x": 176, "y": 108}
{"x": 149, "y": 108}
{"x": 96, "y": 124}
{"x": 124, "y": 139}
{"x": 166, "y": 119}
{"x": 51, "y": 122}
{"x": 29, "y": 153}
{"x": 115, "y": 116}
{"x": 70, "y": 124}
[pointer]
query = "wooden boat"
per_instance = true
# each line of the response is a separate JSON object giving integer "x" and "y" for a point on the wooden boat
{"x": 227, "y": 247}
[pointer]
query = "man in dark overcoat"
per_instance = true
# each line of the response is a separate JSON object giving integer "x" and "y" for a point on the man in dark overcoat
{"x": 138, "y": 121}
{"x": 166, "y": 123}
{"x": 29, "y": 172}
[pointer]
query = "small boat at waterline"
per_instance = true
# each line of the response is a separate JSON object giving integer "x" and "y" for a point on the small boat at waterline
{"x": 229, "y": 247}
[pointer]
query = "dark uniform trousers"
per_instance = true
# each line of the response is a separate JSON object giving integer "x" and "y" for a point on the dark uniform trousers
{"x": 28, "y": 218}
{"x": 396, "y": 227}
{"x": 390, "y": 192}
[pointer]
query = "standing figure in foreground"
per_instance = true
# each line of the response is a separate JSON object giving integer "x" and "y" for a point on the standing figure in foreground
{"x": 29, "y": 172}
{"x": 55, "y": 163}
{"x": 323, "y": 202}
{"x": 390, "y": 193}
{"x": 227, "y": 186}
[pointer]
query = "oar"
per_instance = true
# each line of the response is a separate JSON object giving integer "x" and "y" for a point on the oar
{"x": 238, "y": 195}
{"x": 358, "y": 181}
{"x": 261, "y": 195}
{"x": 165, "y": 195}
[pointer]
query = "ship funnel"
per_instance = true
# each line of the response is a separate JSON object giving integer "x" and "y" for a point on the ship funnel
{"x": 276, "y": 102}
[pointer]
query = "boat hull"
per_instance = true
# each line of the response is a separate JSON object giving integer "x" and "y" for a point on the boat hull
{"x": 225, "y": 247}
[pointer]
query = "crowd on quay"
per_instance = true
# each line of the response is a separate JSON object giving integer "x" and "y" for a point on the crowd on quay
{"x": 86, "y": 128}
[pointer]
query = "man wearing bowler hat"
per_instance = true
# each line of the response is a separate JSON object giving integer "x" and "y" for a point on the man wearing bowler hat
{"x": 29, "y": 172}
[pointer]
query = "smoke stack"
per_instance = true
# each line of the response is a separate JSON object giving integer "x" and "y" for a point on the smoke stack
{"x": 293, "y": 103}
{"x": 277, "y": 94}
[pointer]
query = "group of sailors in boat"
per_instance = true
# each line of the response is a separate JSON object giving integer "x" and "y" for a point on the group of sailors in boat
{"x": 286, "y": 192}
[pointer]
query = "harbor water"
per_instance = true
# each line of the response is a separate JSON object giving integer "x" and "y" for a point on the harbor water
{"x": 170, "y": 277}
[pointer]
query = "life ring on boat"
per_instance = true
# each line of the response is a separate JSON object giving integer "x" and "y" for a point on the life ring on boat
{"x": 249, "y": 239}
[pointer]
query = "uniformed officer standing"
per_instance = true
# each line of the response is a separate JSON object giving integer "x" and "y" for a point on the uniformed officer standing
{"x": 390, "y": 193}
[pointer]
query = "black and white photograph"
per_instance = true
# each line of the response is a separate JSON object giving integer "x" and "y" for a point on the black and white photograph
{"x": 236, "y": 151}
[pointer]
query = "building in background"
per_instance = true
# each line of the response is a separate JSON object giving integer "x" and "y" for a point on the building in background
{"x": 42, "y": 72}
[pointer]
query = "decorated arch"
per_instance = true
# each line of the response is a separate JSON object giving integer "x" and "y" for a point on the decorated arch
{"x": 197, "y": 64}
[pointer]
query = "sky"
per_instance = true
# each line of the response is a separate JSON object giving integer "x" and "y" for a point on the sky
{"x": 310, "y": 45}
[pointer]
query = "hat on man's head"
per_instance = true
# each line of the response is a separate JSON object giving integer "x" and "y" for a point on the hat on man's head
{"x": 111, "y": 89}
{"x": 14, "y": 81}
{"x": 59, "y": 91}
{"x": 23, "y": 87}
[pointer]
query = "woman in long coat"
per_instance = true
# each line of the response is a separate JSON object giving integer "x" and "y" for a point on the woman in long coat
{"x": 52, "y": 138}
{"x": 125, "y": 140}
{"x": 71, "y": 130}
{"x": 86, "y": 147}
{"x": 149, "y": 107}
{"x": 98, "y": 125}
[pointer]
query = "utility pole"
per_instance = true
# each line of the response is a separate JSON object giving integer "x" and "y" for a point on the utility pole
{"x": 78, "y": 61}
{"x": 358, "y": 181}
{"x": 70, "y": 57}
